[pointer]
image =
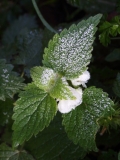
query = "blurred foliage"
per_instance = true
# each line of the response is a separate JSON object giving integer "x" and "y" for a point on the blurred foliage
{"x": 6, "y": 111}
{"x": 113, "y": 56}
{"x": 22, "y": 42}
{"x": 10, "y": 83}
{"x": 94, "y": 6}
{"x": 107, "y": 29}
{"x": 8, "y": 153}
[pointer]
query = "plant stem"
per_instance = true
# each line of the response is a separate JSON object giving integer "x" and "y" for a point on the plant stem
{"x": 22, "y": 74}
{"x": 103, "y": 131}
{"x": 41, "y": 17}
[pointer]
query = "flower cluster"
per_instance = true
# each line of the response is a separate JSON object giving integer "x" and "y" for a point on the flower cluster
{"x": 65, "y": 106}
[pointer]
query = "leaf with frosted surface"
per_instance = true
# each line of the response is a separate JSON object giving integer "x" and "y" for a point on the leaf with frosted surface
{"x": 48, "y": 80}
{"x": 7, "y": 153}
{"x": 33, "y": 112}
{"x": 70, "y": 52}
{"x": 9, "y": 82}
{"x": 81, "y": 124}
{"x": 43, "y": 77}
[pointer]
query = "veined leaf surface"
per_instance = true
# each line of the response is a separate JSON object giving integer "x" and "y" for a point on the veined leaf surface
{"x": 70, "y": 52}
{"x": 33, "y": 112}
{"x": 81, "y": 124}
{"x": 51, "y": 82}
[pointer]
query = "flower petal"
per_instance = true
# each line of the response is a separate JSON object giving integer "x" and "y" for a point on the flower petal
{"x": 82, "y": 79}
{"x": 65, "y": 106}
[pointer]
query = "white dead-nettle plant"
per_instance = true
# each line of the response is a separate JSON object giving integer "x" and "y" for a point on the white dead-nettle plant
{"x": 65, "y": 106}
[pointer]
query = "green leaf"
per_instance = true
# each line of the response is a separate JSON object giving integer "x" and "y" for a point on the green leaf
{"x": 108, "y": 29}
{"x": 105, "y": 26}
{"x": 81, "y": 124}
{"x": 43, "y": 77}
{"x": 61, "y": 90}
{"x": 114, "y": 30}
{"x": 70, "y": 52}
{"x": 33, "y": 112}
{"x": 9, "y": 82}
{"x": 29, "y": 48}
{"x": 104, "y": 36}
{"x": 7, "y": 153}
{"x": 51, "y": 82}
{"x": 116, "y": 26}
{"x": 113, "y": 56}
{"x": 54, "y": 144}
{"x": 116, "y": 85}
{"x": 25, "y": 21}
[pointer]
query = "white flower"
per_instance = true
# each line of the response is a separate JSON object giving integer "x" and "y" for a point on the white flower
{"x": 65, "y": 106}
{"x": 82, "y": 79}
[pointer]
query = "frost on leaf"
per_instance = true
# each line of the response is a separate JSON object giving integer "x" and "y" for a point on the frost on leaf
{"x": 81, "y": 124}
{"x": 43, "y": 77}
{"x": 70, "y": 52}
{"x": 33, "y": 111}
{"x": 10, "y": 83}
{"x": 48, "y": 80}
